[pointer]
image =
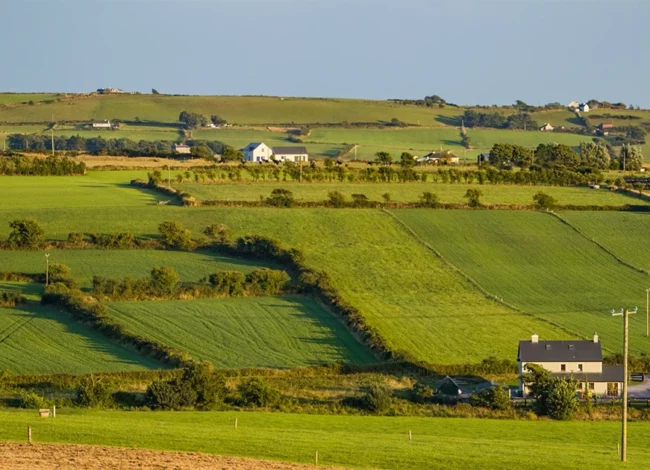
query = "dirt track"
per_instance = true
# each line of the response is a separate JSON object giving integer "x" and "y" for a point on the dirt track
{"x": 60, "y": 456}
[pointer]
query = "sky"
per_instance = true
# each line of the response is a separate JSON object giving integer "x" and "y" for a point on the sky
{"x": 467, "y": 51}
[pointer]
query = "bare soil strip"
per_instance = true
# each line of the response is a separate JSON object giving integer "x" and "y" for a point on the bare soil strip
{"x": 14, "y": 456}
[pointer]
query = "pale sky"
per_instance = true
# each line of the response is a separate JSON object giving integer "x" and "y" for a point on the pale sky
{"x": 467, "y": 51}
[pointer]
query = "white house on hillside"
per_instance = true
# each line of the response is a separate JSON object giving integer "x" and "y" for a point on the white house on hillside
{"x": 182, "y": 148}
{"x": 546, "y": 127}
{"x": 290, "y": 154}
{"x": 257, "y": 152}
{"x": 102, "y": 124}
{"x": 581, "y": 359}
{"x": 584, "y": 107}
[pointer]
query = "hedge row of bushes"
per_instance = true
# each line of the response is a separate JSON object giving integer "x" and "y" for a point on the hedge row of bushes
{"x": 11, "y": 299}
{"x": 164, "y": 283}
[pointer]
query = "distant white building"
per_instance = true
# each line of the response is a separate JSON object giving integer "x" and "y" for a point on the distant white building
{"x": 257, "y": 152}
{"x": 584, "y": 107}
{"x": 290, "y": 154}
{"x": 182, "y": 149}
{"x": 546, "y": 127}
{"x": 573, "y": 105}
{"x": 102, "y": 124}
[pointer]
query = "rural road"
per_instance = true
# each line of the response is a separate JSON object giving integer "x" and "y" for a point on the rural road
{"x": 639, "y": 391}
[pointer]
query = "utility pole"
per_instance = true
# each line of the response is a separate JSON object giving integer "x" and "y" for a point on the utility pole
{"x": 626, "y": 322}
{"x": 52, "y": 128}
{"x": 47, "y": 269}
{"x": 647, "y": 312}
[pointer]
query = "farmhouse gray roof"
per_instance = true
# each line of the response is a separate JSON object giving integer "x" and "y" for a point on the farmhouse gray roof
{"x": 609, "y": 374}
{"x": 558, "y": 351}
{"x": 289, "y": 150}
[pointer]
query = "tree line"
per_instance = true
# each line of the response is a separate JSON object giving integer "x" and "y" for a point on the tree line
{"x": 50, "y": 166}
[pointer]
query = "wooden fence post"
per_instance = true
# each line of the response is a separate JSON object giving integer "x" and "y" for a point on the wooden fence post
{"x": 235, "y": 424}
{"x": 410, "y": 436}
{"x": 54, "y": 411}
{"x": 29, "y": 434}
{"x": 618, "y": 449}
{"x": 316, "y": 458}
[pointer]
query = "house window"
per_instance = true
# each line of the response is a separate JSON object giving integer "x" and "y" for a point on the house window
{"x": 580, "y": 385}
{"x": 592, "y": 386}
{"x": 563, "y": 367}
{"x": 580, "y": 367}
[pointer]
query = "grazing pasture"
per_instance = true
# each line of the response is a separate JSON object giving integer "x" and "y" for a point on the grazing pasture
{"x": 246, "y": 332}
{"x": 540, "y": 265}
{"x": 39, "y": 340}
{"x": 118, "y": 264}
{"x": 405, "y": 192}
{"x": 364, "y": 442}
{"x": 18, "y": 98}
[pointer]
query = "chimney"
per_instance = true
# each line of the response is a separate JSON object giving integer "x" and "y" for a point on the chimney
{"x": 534, "y": 339}
{"x": 595, "y": 337}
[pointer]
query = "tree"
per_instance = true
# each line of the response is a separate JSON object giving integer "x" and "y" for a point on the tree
{"x": 544, "y": 201}
{"x": 192, "y": 120}
{"x": 631, "y": 157}
{"x": 429, "y": 199}
{"x": 336, "y": 199}
{"x": 217, "y": 120}
{"x": 501, "y": 154}
{"x": 557, "y": 156}
{"x": 207, "y": 383}
{"x": 473, "y": 197}
{"x": 384, "y": 158}
{"x": 495, "y": 398}
{"x": 407, "y": 160}
{"x": 25, "y": 233}
{"x": 280, "y": 198}
{"x": 154, "y": 91}
{"x": 594, "y": 155}
{"x": 163, "y": 280}
{"x": 175, "y": 235}
{"x": 202, "y": 151}
{"x": 230, "y": 154}
{"x": 554, "y": 397}
{"x": 219, "y": 233}
{"x": 379, "y": 397}
{"x": 257, "y": 392}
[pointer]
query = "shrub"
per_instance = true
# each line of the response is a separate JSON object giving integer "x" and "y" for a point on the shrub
{"x": 25, "y": 233}
{"x": 76, "y": 238}
{"x": 94, "y": 393}
{"x": 495, "y": 398}
{"x": 266, "y": 282}
{"x": 257, "y": 392}
{"x": 386, "y": 197}
{"x": 428, "y": 199}
{"x": 360, "y": 200}
{"x": 11, "y": 299}
{"x": 379, "y": 397}
{"x": 280, "y": 198}
{"x": 209, "y": 386}
{"x": 228, "y": 283}
{"x": 336, "y": 199}
{"x": 31, "y": 400}
{"x": 562, "y": 402}
{"x": 164, "y": 280}
{"x": 473, "y": 197}
{"x": 172, "y": 394}
{"x": 544, "y": 201}
{"x": 175, "y": 235}
{"x": 58, "y": 272}
{"x": 219, "y": 233}
{"x": 422, "y": 393}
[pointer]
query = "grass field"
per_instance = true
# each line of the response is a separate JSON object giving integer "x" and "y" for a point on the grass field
{"x": 38, "y": 340}
{"x": 494, "y": 194}
{"x": 235, "y": 109}
{"x": 278, "y": 332}
{"x": 117, "y": 264}
{"x": 349, "y": 441}
{"x": 134, "y": 133}
{"x": 540, "y": 265}
{"x": 17, "y": 98}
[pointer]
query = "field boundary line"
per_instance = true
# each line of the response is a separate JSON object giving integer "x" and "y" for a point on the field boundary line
{"x": 598, "y": 244}
{"x": 488, "y": 295}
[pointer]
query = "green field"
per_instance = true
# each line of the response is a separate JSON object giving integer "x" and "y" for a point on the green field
{"x": 39, "y": 340}
{"x": 539, "y": 265}
{"x": 133, "y": 133}
{"x": 117, "y": 264}
{"x": 275, "y": 332}
{"x": 409, "y": 192}
{"x": 235, "y": 109}
{"x": 17, "y": 98}
{"x": 349, "y": 441}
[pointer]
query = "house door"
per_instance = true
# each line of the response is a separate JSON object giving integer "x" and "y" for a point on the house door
{"x": 612, "y": 389}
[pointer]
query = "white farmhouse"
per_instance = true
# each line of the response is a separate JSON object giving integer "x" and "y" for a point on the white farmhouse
{"x": 182, "y": 149}
{"x": 584, "y": 107}
{"x": 102, "y": 124}
{"x": 290, "y": 154}
{"x": 257, "y": 152}
{"x": 581, "y": 359}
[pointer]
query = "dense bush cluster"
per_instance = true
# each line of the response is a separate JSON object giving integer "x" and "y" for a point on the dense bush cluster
{"x": 50, "y": 166}
{"x": 472, "y": 118}
{"x": 11, "y": 299}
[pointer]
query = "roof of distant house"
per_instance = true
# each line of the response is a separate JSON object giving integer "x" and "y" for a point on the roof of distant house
{"x": 289, "y": 150}
{"x": 252, "y": 146}
{"x": 557, "y": 351}
{"x": 104, "y": 121}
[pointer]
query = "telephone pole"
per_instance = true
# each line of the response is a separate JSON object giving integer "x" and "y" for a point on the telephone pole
{"x": 47, "y": 269}
{"x": 52, "y": 128}
{"x": 625, "y": 313}
{"x": 647, "y": 312}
